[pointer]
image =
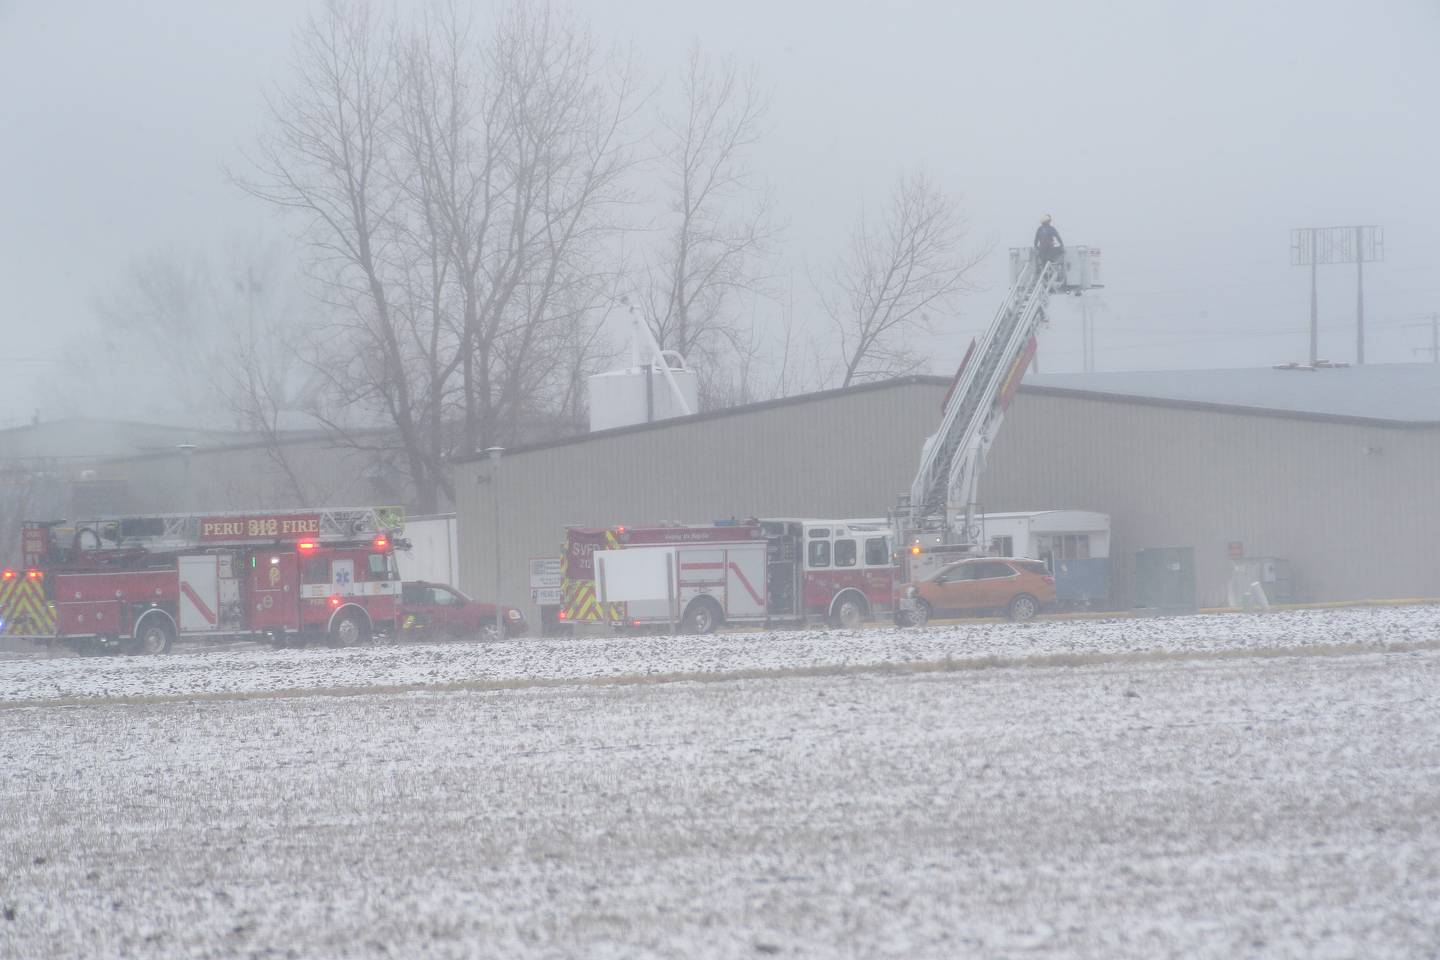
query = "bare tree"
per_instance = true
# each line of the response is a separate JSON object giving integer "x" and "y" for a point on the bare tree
{"x": 895, "y": 273}
{"x": 270, "y": 351}
{"x": 454, "y": 185}
{"x": 174, "y": 332}
{"x": 329, "y": 156}
{"x": 156, "y": 343}
{"x": 717, "y": 230}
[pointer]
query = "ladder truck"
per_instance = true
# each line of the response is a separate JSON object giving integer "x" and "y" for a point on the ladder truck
{"x": 134, "y": 584}
{"x": 937, "y": 521}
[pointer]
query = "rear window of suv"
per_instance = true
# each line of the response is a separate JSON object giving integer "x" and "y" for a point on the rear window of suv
{"x": 993, "y": 570}
{"x": 1033, "y": 566}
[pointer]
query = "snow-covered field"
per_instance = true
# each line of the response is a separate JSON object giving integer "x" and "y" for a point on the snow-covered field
{"x": 247, "y": 669}
{"x": 1237, "y": 806}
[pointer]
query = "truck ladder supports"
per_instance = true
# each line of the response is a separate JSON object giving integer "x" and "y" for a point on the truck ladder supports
{"x": 951, "y": 462}
{"x": 180, "y": 530}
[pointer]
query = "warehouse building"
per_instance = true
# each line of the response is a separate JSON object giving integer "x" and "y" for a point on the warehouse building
{"x": 1334, "y": 472}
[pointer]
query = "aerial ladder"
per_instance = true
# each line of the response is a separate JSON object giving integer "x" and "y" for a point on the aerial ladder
{"x": 164, "y": 532}
{"x": 941, "y": 510}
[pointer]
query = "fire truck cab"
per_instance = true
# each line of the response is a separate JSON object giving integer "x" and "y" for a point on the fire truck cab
{"x": 837, "y": 571}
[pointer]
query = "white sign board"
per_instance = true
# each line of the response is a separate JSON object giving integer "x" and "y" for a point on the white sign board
{"x": 545, "y": 574}
{"x": 624, "y": 576}
{"x": 545, "y": 596}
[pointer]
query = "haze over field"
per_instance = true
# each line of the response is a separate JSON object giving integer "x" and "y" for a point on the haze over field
{"x": 1184, "y": 139}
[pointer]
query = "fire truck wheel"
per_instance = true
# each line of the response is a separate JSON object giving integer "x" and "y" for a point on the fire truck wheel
{"x": 702, "y": 616}
{"x": 349, "y": 630}
{"x": 154, "y": 637}
{"x": 849, "y": 614}
{"x": 1023, "y": 607}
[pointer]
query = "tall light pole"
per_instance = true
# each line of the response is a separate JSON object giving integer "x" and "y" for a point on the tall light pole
{"x": 1312, "y": 246}
{"x": 494, "y": 454}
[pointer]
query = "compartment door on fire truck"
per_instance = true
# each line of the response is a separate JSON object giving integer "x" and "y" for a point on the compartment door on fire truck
{"x": 274, "y": 599}
{"x": 734, "y": 575}
{"x": 199, "y": 593}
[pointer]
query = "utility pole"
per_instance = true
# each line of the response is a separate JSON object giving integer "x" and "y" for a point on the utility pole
{"x": 1314, "y": 309}
{"x": 1433, "y": 322}
{"x": 1087, "y": 338}
{"x": 1359, "y": 299}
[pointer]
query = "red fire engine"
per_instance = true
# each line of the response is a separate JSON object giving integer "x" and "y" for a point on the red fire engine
{"x": 764, "y": 572}
{"x": 136, "y": 583}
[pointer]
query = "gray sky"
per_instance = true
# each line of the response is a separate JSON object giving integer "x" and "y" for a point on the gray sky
{"x": 1183, "y": 138}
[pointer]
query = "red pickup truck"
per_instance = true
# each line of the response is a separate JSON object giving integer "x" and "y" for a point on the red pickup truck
{"x": 433, "y": 611}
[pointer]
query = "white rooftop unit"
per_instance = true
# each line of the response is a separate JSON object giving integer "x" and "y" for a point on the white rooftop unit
{"x": 619, "y": 398}
{"x": 656, "y": 386}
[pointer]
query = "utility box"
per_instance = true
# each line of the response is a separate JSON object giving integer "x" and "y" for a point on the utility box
{"x": 1272, "y": 573}
{"x": 1165, "y": 579}
{"x": 620, "y": 398}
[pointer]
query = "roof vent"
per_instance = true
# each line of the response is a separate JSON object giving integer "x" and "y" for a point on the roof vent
{"x": 1311, "y": 368}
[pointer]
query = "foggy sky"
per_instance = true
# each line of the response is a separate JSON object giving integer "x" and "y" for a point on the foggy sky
{"x": 1184, "y": 139}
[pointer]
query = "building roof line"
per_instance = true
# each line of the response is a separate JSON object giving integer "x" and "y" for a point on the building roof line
{"x": 1210, "y": 406}
{"x": 1082, "y": 393}
{"x": 726, "y": 412}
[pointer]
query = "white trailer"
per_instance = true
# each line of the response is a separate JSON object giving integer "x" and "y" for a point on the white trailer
{"x": 1047, "y": 534}
{"x": 434, "y": 551}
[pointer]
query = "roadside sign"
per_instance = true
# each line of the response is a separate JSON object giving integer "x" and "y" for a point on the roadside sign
{"x": 545, "y": 574}
{"x": 545, "y": 596}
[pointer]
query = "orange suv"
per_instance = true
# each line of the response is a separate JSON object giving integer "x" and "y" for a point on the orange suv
{"x": 1018, "y": 588}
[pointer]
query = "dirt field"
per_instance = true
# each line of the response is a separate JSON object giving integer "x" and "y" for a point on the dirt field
{"x": 1246, "y": 806}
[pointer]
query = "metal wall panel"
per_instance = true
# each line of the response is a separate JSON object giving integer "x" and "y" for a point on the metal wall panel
{"x": 1349, "y": 505}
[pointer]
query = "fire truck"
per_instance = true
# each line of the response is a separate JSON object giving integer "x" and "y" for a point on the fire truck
{"x": 134, "y": 584}
{"x": 769, "y": 572}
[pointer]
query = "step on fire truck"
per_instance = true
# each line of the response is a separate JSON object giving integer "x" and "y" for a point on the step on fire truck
{"x": 136, "y": 583}
{"x": 699, "y": 576}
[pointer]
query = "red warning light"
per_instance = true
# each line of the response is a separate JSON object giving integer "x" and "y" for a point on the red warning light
{"x": 34, "y": 575}
{"x": 561, "y": 616}
{"x": 381, "y": 543}
{"x": 8, "y": 574}
{"x": 306, "y": 546}
{"x": 334, "y": 599}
